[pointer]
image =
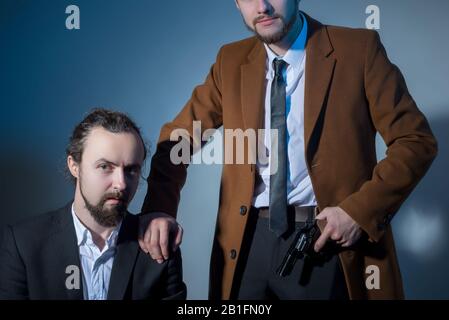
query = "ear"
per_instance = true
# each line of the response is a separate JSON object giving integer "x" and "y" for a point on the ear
{"x": 73, "y": 167}
{"x": 237, "y": 4}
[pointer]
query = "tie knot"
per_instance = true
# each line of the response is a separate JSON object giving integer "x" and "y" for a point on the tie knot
{"x": 279, "y": 66}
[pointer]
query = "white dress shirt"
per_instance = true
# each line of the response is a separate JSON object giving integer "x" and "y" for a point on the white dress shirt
{"x": 299, "y": 185}
{"x": 96, "y": 265}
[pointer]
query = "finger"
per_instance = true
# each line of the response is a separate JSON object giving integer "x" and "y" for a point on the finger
{"x": 147, "y": 240}
{"x": 346, "y": 244}
{"x": 351, "y": 239}
{"x": 178, "y": 238}
{"x": 319, "y": 244}
{"x": 349, "y": 242}
{"x": 155, "y": 250}
{"x": 337, "y": 237}
{"x": 142, "y": 245}
{"x": 322, "y": 215}
{"x": 164, "y": 233}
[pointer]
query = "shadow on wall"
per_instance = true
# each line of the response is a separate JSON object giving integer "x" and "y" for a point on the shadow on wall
{"x": 420, "y": 228}
{"x": 32, "y": 183}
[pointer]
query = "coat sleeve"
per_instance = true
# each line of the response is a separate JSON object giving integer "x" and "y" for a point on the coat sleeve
{"x": 175, "y": 287}
{"x": 167, "y": 178}
{"x": 411, "y": 146}
{"x": 13, "y": 281}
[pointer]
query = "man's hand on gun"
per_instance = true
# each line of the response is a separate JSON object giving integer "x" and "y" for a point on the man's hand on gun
{"x": 340, "y": 227}
{"x": 335, "y": 224}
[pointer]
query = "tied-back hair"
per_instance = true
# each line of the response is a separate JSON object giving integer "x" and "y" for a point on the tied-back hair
{"x": 112, "y": 121}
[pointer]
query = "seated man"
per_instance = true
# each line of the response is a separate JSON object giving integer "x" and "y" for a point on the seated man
{"x": 89, "y": 248}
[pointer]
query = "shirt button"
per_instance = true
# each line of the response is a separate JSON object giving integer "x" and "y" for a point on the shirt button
{"x": 233, "y": 254}
{"x": 243, "y": 210}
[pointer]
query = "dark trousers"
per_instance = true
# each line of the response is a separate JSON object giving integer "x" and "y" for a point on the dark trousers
{"x": 263, "y": 252}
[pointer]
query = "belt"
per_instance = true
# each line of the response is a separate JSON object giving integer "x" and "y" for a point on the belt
{"x": 301, "y": 214}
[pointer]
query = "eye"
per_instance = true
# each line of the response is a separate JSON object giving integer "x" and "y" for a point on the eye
{"x": 133, "y": 171}
{"x": 105, "y": 167}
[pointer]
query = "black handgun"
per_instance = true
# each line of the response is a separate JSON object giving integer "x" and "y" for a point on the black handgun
{"x": 298, "y": 249}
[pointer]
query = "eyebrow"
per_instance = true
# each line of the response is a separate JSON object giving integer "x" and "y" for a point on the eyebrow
{"x": 133, "y": 165}
{"x": 107, "y": 161}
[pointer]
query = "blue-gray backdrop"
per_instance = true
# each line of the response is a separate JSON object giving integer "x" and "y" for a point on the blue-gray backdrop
{"x": 145, "y": 57}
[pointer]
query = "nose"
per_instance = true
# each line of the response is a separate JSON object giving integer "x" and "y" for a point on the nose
{"x": 119, "y": 181}
{"x": 263, "y": 7}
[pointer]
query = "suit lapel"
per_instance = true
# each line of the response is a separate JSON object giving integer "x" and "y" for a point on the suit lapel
{"x": 319, "y": 70}
{"x": 66, "y": 254}
{"x": 125, "y": 258}
{"x": 253, "y": 87}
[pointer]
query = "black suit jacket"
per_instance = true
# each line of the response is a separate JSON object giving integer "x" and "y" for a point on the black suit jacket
{"x": 34, "y": 257}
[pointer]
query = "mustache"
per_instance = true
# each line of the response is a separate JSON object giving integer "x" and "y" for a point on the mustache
{"x": 116, "y": 195}
{"x": 260, "y": 18}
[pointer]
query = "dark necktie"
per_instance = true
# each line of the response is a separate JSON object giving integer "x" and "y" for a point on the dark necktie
{"x": 278, "y": 180}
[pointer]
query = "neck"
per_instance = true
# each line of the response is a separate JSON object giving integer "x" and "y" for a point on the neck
{"x": 280, "y": 48}
{"x": 99, "y": 233}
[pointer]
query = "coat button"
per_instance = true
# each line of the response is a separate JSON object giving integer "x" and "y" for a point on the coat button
{"x": 243, "y": 210}
{"x": 233, "y": 254}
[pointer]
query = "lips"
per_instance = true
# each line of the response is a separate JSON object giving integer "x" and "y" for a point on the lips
{"x": 266, "y": 21}
{"x": 113, "y": 200}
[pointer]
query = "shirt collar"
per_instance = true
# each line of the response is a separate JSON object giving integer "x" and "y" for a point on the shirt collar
{"x": 295, "y": 54}
{"x": 83, "y": 234}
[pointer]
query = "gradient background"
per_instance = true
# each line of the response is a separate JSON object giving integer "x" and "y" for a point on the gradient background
{"x": 145, "y": 57}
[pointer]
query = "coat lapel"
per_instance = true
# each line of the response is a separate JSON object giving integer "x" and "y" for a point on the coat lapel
{"x": 253, "y": 87}
{"x": 125, "y": 258}
{"x": 319, "y": 70}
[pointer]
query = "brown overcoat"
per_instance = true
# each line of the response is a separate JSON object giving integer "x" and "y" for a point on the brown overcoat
{"x": 352, "y": 91}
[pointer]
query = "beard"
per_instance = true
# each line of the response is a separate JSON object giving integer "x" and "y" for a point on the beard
{"x": 107, "y": 217}
{"x": 281, "y": 34}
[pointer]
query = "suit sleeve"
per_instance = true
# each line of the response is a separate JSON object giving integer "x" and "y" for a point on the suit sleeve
{"x": 166, "y": 178}
{"x": 175, "y": 287}
{"x": 411, "y": 146}
{"x": 13, "y": 282}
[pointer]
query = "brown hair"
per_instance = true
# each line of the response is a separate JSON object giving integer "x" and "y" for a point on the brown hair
{"x": 112, "y": 121}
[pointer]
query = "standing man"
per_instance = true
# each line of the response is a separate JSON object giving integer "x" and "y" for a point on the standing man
{"x": 88, "y": 249}
{"x": 326, "y": 91}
